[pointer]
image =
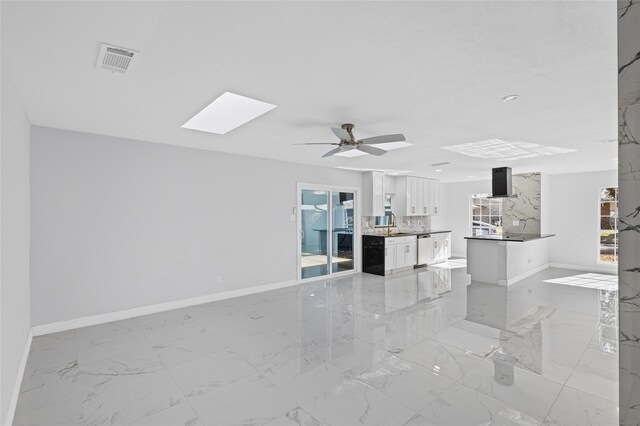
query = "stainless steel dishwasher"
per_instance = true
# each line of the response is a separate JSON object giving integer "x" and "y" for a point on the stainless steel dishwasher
{"x": 425, "y": 249}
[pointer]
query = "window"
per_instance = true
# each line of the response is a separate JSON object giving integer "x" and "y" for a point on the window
{"x": 486, "y": 214}
{"x": 608, "y": 228}
{"x": 383, "y": 221}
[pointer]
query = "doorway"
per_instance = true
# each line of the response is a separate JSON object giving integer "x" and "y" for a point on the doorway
{"x": 328, "y": 231}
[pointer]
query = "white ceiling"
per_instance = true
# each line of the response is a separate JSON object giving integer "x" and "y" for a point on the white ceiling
{"x": 435, "y": 71}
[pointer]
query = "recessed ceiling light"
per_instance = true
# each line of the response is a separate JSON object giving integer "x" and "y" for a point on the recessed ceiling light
{"x": 438, "y": 170}
{"x": 510, "y": 98}
{"x": 506, "y": 150}
{"x": 226, "y": 113}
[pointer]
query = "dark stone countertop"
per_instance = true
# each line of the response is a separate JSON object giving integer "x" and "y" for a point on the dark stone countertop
{"x": 511, "y": 237}
{"x": 408, "y": 234}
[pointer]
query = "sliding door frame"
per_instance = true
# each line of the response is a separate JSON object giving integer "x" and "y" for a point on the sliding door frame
{"x": 357, "y": 240}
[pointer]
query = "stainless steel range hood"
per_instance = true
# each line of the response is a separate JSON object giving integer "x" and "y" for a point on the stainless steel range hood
{"x": 501, "y": 183}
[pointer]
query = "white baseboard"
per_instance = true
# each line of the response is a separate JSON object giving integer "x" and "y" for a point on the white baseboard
{"x": 518, "y": 278}
{"x": 55, "y": 327}
{"x": 609, "y": 269}
{"x": 11, "y": 412}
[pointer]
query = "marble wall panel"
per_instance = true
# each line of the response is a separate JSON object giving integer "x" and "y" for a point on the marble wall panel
{"x": 629, "y": 208}
{"x": 525, "y": 208}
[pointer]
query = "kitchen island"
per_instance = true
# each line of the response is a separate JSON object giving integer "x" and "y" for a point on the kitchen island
{"x": 506, "y": 259}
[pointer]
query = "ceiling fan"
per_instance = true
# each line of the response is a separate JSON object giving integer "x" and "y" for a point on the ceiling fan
{"x": 349, "y": 142}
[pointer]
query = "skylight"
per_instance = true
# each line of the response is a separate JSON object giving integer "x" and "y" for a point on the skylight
{"x": 506, "y": 150}
{"x": 226, "y": 113}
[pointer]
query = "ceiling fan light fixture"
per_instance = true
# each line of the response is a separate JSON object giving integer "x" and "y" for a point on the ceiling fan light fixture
{"x": 351, "y": 153}
{"x": 391, "y": 145}
{"x": 226, "y": 113}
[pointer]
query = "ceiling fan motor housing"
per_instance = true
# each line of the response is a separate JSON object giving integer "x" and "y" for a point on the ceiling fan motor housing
{"x": 349, "y": 128}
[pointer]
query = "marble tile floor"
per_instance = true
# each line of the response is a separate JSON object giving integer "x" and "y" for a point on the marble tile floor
{"x": 426, "y": 347}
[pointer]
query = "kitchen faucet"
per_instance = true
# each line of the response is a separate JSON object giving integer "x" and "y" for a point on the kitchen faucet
{"x": 392, "y": 218}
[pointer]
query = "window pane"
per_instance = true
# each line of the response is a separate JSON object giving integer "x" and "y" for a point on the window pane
{"x": 607, "y": 222}
{"x": 486, "y": 214}
{"x": 608, "y": 194}
{"x": 608, "y": 243}
{"x": 608, "y": 211}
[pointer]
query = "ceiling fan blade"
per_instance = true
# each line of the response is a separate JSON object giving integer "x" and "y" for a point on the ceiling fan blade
{"x": 332, "y": 152}
{"x": 383, "y": 139}
{"x": 371, "y": 149}
{"x": 317, "y": 143}
{"x": 341, "y": 133}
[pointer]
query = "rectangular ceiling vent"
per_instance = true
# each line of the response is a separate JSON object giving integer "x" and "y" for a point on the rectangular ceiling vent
{"x": 440, "y": 164}
{"x": 115, "y": 58}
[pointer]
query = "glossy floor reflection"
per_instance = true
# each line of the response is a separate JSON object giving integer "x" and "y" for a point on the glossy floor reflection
{"x": 420, "y": 348}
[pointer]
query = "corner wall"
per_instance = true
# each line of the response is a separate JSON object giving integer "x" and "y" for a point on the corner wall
{"x": 119, "y": 224}
{"x": 14, "y": 242}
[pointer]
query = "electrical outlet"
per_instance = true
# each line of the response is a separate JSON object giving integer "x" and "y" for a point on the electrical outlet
{"x": 218, "y": 279}
{"x": 292, "y": 218}
{"x": 529, "y": 260}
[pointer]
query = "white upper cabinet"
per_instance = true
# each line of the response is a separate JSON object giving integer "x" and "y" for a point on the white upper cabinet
{"x": 435, "y": 197}
{"x": 416, "y": 196}
{"x": 373, "y": 194}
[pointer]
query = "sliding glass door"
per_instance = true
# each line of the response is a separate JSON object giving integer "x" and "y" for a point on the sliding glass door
{"x": 327, "y": 221}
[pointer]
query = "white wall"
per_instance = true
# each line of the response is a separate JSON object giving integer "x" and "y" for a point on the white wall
{"x": 574, "y": 217}
{"x": 14, "y": 239}
{"x": 118, "y": 224}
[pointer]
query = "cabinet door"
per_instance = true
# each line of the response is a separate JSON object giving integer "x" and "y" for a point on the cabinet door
{"x": 429, "y": 246}
{"x": 401, "y": 252}
{"x": 390, "y": 257}
{"x": 436, "y": 250}
{"x": 411, "y": 196}
{"x": 378, "y": 193}
{"x": 447, "y": 242}
{"x": 412, "y": 254}
{"x": 426, "y": 196}
{"x": 420, "y": 200}
{"x": 435, "y": 197}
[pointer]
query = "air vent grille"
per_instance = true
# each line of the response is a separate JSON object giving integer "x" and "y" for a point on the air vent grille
{"x": 440, "y": 164}
{"x": 114, "y": 58}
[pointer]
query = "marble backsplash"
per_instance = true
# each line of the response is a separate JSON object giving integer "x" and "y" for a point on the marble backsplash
{"x": 525, "y": 209}
{"x": 403, "y": 224}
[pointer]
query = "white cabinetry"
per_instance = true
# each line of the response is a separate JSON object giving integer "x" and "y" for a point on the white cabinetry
{"x": 442, "y": 247}
{"x": 417, "y": 196}
{"x": 406, "y": 251}
{"x": 434, "y": 197}
{"x": 373, "y": 194}
{"x": 435, "y": 248}
{"x": 390, "y": 247}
